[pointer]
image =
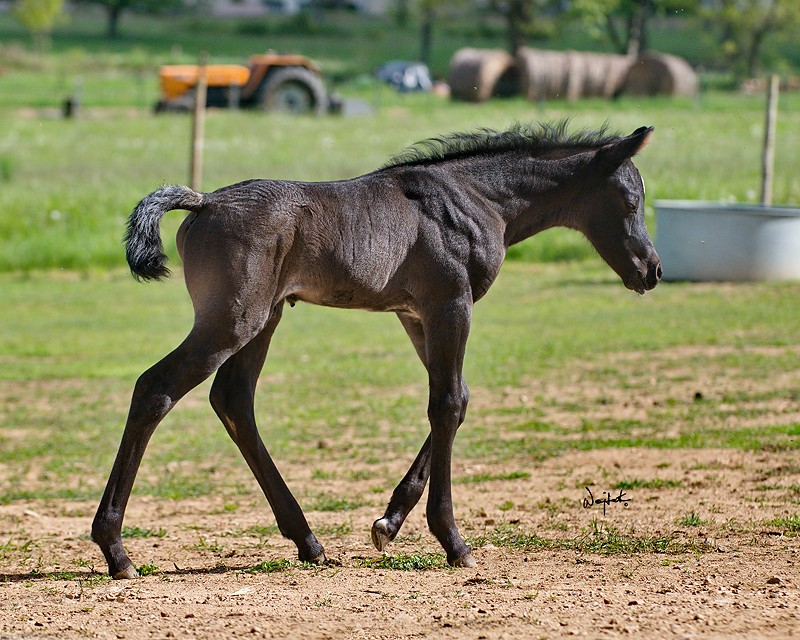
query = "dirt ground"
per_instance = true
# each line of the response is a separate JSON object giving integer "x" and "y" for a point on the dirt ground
{"x": 728, "y": 574}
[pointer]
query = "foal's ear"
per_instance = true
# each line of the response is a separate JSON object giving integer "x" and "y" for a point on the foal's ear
{"x": 612, "y": 155}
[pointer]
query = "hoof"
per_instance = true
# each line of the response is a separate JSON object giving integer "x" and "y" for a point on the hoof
{"x": 380, "y": 534}
{"x": 128, "y": 573}
{"x": 320, "y": 559}
{"x": 466, "y": 561}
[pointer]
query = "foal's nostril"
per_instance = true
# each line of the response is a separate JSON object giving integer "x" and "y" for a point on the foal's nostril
{"x": 653, "y": 275}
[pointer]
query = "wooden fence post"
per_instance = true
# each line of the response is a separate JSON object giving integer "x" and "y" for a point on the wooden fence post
{"x": 768, "y": 155}
{"x": 198, "y": 124}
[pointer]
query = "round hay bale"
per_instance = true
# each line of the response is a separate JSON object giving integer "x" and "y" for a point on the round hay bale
{"x": 598, "y": 75}
{"x": 660, "y": 74}
{"x": 548, "y": 75}
{"x": 543, "y": 74}
{"x": 478, "y": 74}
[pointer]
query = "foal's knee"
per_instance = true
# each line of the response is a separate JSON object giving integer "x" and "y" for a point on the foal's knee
{"x": 106, "y": 527}
{"x": 449, "y": 409}
{"x": 464, "y": 402}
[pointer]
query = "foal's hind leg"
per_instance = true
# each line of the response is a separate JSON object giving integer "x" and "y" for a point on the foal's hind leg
{"x": 232, "y": 398}
{"x": 157, "y": 390}
{"x": 410, "y": 489}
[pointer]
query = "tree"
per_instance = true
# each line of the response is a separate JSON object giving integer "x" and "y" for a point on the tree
{"x": 115, "y": 9}
{"x": 523, "y": 20}
{"x": 605, "y": 16}
{"x": 428, "y": 16}
{"x": 38, "y": 17}
{"x": 745, "y": 25}
{"x": 429, "y": 12}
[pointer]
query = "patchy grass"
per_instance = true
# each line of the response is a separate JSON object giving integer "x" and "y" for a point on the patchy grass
{"x": 480, "y": 478}
{"x": 12, "y": 547}
{"x": 211, "y": 546}
{"x": 597, "y": 538}
{"x": 147, "y": 570}
{"x": 325, "y": 502}
{"x": 334, "y": 530}
{"x": 406, "y": 562}
{"x": 138, "y": 532}
{"x": 654, "y": 483}
{"x": 262, "y": 532}
{"x": 789, "y": 524}
{"x": 691, "y": 520}
{"x": 544, "y": 383}
{"x": 272, "y": 566}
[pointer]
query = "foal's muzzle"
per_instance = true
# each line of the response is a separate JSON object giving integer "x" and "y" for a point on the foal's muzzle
{"x": 646, "y": 277}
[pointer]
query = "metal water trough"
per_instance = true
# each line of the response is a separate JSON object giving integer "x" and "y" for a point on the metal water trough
{"x": 712, "y": 241}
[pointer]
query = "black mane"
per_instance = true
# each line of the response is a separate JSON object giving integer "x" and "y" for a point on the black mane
{"x": 520, "y": 137}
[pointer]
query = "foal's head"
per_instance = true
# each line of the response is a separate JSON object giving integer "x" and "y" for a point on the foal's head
{"x": 612, "y": 215}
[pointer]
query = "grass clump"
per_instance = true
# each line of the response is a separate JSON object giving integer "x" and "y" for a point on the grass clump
{"x": 512, "y": 537}
{"x": 138, "y": 532}
{"x": 789, "y": 524}
{"x": 655, "y": 483}
{"x": 272, "y": 566}
{"x": 325, "y": 502}
{"x": 260, "y": 530}
{"x": 597, "y": 539}
{"x": 406, "y": 562}
{"x": 334, "y": 529}
{"x": 691, "y": 520}
{"x": 147, "y": 569}
{"x": 491, "y": 477}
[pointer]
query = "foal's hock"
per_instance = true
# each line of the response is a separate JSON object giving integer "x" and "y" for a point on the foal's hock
{"x": 423, "y": 237}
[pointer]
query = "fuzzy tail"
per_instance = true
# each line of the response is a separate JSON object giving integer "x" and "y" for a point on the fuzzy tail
{"x": 143, "y": 247}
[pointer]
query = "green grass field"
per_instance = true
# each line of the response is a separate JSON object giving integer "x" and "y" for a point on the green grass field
{"x": 68, "y": 186}
{"x": 72, "y": 347}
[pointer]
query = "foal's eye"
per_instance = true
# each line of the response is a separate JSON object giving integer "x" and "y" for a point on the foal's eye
{"x": 632, "y": 202}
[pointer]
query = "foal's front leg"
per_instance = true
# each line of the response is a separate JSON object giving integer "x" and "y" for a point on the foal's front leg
{"x": 410, "y": 489}
{"x": 446, "y": 332}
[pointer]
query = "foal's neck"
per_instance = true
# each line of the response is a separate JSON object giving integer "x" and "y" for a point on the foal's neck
{"x": 537, "y": 192}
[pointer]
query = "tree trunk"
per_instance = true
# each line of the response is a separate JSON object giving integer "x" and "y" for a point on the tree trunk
{"x": 613, "y": 35}
{"x": 427, "y": 33}
{"x": 754, "y": 52}
{"x": 637, "y": 35}
{"x": 518, "y": 16}
{"x": 113, "y": 21}
{"x": 402, "y": 13}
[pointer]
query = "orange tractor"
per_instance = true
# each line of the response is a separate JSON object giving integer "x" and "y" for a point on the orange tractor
{"x": 271, "y": 81}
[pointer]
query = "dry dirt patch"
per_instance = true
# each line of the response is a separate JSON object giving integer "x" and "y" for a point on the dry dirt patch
{"x": 704, "y": 543}
{"x": 728, "y": 574}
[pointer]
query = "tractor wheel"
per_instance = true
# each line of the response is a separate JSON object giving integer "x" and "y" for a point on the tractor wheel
{"x": 294, "y": 90}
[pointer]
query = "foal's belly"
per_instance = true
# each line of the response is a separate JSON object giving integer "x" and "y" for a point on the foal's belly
{"x": 354, "y": 298}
